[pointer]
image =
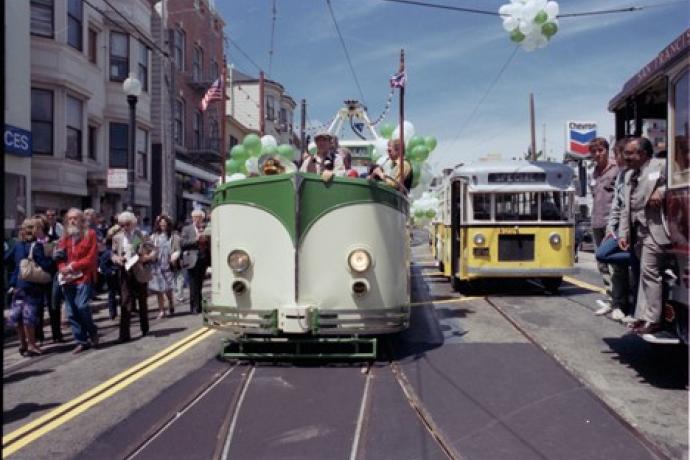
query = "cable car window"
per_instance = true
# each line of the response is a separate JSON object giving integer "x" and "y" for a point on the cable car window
{"x": 553, "y": 206}
{"x": 681, "y": 156}
{"x": 517, "y": 206}
{"x": 481, "y": 205}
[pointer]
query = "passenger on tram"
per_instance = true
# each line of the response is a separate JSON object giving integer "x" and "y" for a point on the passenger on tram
{"x": 324, "y": 161}
{"x": 394, "y": 154}
{"x": 346, "y": 157}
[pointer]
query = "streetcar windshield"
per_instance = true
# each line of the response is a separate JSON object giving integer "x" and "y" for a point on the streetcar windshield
{"x": 517, "y": 206}
{"x": 526, "y": 206}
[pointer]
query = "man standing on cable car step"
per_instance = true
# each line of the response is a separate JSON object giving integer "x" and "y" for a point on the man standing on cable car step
{"x": 603, "y": 186}
{"x": 642, "y": 228}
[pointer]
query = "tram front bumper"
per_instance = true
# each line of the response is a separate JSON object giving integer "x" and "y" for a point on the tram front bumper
{"x": 519, "y": 272}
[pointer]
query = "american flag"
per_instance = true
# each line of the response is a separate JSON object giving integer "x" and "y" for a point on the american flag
{"x": 214, "y": 93}
{"x": 398, "y": 80}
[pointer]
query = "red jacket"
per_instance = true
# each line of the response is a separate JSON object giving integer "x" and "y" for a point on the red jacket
{"x": 83, "y": 256}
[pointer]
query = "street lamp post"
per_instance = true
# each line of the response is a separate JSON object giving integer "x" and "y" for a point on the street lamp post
{"x": 132, "y": 88}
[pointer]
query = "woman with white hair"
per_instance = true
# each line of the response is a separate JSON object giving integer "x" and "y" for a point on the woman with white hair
{"x": 130, "y": 244}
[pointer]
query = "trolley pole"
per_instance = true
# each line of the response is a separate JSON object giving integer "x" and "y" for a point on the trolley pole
{"x": 401, "y": 170}
{"x": 303, "y": 126}
{"x": 531, "y": 124}
{"x": 262, "y": 105}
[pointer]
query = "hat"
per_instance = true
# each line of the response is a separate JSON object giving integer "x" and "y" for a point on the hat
{"x": 323, "y": 133}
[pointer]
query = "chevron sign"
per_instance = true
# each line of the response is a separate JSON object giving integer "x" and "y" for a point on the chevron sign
{"x": 579, "y": 134}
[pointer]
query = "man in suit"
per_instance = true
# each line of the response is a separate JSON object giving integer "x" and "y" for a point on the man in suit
{"x": 641, "y": 227}
{"x": 196, "y": 257}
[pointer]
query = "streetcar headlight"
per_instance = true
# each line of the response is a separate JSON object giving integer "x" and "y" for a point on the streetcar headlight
{"x": 479, "y": 239}
{"x": 239, "y": 261}
{"x": 555, "y": 239}
{"x": 359, "y": 260}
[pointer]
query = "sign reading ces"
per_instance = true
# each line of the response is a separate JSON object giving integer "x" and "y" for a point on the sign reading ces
{"x": 17, "y": 141}
{"x": 580, "y": 133}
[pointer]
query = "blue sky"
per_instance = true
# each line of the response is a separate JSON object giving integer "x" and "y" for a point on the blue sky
{"x": 451, "y": 59}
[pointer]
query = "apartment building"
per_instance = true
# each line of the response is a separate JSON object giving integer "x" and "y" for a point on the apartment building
{"x": 80, "y": 54}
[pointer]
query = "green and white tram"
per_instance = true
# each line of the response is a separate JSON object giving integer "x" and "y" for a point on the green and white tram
{"x": 302, "y": 262}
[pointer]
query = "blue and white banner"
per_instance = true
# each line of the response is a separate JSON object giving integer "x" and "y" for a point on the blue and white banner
{"x": 17, "y": 141}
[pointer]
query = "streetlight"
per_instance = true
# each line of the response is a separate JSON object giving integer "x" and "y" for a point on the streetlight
{"x": 132, "y": 88}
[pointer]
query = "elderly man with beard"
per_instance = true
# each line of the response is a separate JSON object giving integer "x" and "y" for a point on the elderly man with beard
{"x": 77, "y": 257}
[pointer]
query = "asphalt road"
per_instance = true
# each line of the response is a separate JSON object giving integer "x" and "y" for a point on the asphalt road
{"x": 509, "y": 372}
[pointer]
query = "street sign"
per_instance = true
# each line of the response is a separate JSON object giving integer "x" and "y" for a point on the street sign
{"x": 117, "y": 178}
{"x": 579, "y": 135}
{"x": 17, "y": 141}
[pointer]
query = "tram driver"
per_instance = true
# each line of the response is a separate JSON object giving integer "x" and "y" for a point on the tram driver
{"x": 394, "y": 154}
{"x": 324, "y": 161}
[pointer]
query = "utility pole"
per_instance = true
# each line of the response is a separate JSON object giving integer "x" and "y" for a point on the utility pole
{"x": 401, "y": 174}
{"x": 543, "y": 140}
{"x": 303, "y": 127}
{"x": 262, "y": 105}
{"x": 533, "y": 143}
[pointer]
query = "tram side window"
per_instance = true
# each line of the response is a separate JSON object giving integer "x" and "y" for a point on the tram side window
{"x": 481, "y": 206}
{"x": 681, "y": 155}
{"x": 516, "y": 206}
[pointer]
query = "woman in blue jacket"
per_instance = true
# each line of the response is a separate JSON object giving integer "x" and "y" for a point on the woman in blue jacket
{"x": 26, "y": 296}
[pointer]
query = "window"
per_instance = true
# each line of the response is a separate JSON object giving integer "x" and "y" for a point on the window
{"x": 198, "y": 64}
{"x": 233, "y": 141}
{"x": 270, "y": 108}
{"x": 42, "y": 121}
{"x": 555, "y": 206}
{"x": 42, "y": 18}
{"x": 481, "y": 206}
{"x": 73, "y": 116}
{"x": 118, "y": 145}
{"x": 143, "y": 66}
{"x": 213, "y": 135}
{"x": 142, "y": 153}
{"x": 178, "y": 43}
{"x": 198, "y": 128}
{"x": 516, "y": 206}
{"x": 680, "y": 164}
{"x": 93, "y": 143}
{"x": 93, "y": 46}
{"x": 119, "y": 56}
{"x": 179, "y": 122}
{"x": 282, "y": 116}
{"x": 215, "y": 72}
{"x": 75, "y": 14}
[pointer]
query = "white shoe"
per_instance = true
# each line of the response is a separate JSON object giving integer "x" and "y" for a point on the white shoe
{"x": 617, "y": 314}
{"x": 605, "y": 308}
{"x": 628, "y": 320}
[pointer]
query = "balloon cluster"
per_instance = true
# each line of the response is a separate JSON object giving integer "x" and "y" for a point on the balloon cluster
{"x": 417, "y": 148}
{"x": 531, "y": 23}
{"x": 244, "y": 157}
{"x": 425, "y": 208}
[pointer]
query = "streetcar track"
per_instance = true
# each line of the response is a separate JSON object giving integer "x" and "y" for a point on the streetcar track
{"x": 363, "y": 412}
{"x": 234, "y": 410}
{"x": 184, "y": 408}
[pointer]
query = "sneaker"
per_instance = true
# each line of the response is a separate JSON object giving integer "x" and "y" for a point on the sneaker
{"x": 628, "y": 320}
{"x": 605, "y": 308}
{"x": 617, "y": 314}
{"x": 78, "y": 349}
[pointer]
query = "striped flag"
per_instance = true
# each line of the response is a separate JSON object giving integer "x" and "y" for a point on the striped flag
{"x": 398, "y": 80}
{"x": 214, "y": 93}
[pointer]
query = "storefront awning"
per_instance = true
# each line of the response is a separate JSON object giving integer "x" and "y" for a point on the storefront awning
{"x": 186, "y": 168}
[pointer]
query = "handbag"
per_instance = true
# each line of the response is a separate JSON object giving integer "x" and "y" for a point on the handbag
{"x": 31, "y": 272}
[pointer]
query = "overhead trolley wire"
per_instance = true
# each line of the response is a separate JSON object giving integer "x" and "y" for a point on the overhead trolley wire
{"x": 233, "y": 43}
{"x": 347, "y": 55}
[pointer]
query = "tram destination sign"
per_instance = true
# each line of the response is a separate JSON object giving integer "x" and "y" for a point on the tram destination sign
{"x": 579, "y": 135}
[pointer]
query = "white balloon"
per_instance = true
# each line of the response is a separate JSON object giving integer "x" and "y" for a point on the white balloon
{"x": 540, "y": 4}
{"x": 526, "y": 27}
{"x": 409, "y": 131}
{"x": 551, "y": 9}
{"x": 269, "y": 141}
{"x": 509, "y": 24}
{"x": 381, "y": 147}
{"x": 252, "y": 165}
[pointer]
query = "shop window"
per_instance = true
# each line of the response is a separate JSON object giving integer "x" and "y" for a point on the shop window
{"x": 119, "y": 56}
{"x": 118, "y": 145}
{"x": 42, "y": 121}
{"x": 73, "y": 115}
{"x": 42, "y": 23}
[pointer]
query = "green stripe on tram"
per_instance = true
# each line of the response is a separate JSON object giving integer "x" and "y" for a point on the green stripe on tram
{"x": 273, "y": 194}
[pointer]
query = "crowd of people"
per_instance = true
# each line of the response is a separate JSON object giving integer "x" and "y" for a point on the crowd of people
{"x": 628, "y": 192}
{"x": 52, "y": 263}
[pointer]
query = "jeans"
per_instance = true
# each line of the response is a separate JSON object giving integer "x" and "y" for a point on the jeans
{"x": 620, "y": 262}
{"x": 77, "y": 298}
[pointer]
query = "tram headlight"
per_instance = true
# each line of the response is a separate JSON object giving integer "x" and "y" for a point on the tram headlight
{"x": 359, "y": 260}
{"x": 479, "y": 239}
{"x": 239, "y": 261}
{"x": 555, "y": 239}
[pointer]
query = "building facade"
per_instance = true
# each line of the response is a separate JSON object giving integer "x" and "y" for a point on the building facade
{"x": 17, "y": 178}
{"x": 80, "y": 55}
{"x": 195, "y": 39}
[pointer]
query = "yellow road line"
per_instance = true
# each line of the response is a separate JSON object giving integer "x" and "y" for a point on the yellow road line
{"x": 440, "y": 302}
{"x": 584, "y": 285}
{"x": 71, "y": 409}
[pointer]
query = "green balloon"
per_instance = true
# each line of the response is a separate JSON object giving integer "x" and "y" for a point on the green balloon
{"x": 416, "y": 173}
{"x": 420, "y": 153}
{"x": 232, "y": 166}
{"x": 386, "y": 130}
{"x": 549, "y": 29}
{"x": 286, "y": 151}
{"x": 414, "y": 142}
{"x": 430, "y": 213}
{"x": 239, "y": 153}
{"x": 269, "y": 150}
{"x": 541, "y": 17}
{"x": 420, "y": 213}
{"x": 430, "y": 143}
{"x": 518, "y": 36}
{"x": 252, "y": 143}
